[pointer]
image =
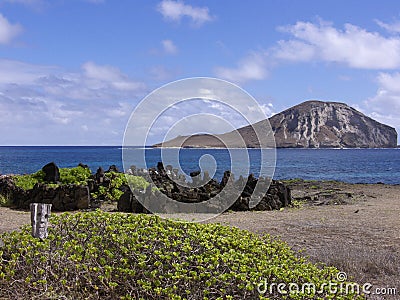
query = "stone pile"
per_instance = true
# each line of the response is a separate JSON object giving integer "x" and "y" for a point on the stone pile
{"x": 269, "y": 194}
{"x": 62, "y": 197}
{"x": 174, "y": 186}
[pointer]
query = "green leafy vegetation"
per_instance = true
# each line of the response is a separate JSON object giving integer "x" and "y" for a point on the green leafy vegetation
{"x": 137, "y": 182}
{"x": 28, "y": 181}
{"x": 77, "y": 175}
{"x": 298, "y": 203}
{"x": 117, "y": 180}
{"x": 113, "y": 192}
{"x": 5, "y": 200}
{"x": 97, "y": 255}
{"x": 80, "y": 176}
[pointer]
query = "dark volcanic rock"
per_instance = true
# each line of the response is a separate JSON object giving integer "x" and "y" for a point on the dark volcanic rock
{"x": 82, "y": 197}
{"x": 99, "y": 176}
{"x": 62, "y": 197}
{"x": 243, "y": 194}
{"x": 269, "y": 194}
{"x": 113, "y": 168}
{"x": 83, "y": 166}
{"x": 194, "y": 174}
{"x": 125, "y": 202}
{"x": 51, "y": 173}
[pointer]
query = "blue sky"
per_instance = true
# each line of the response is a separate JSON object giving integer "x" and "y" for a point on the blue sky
{"x": 72, "y": 71}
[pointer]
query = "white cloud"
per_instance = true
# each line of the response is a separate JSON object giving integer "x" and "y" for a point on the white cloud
{"x": 199, "y": 115}
{"x": 93, "y": 82}
{"x": 268, "y": 109}
{"x": 353, "y": 46}
{"x": 82, "y": 107}
{"x": 384, "y": 106}
{"x": 109, "y": 76}
{"x": 387, "y": 98}
{"x": 294, "y": 50}
{"x": 169, "y": 47}
{"x": 193, "y": 97}
{"x": 252, "y": 67}
{"x": 195, "y": 116}
{"x": 123, "y": 109}
{"x": 389, "y": 82}
{"x": 176, "y": 10}
{"x": 16, "y": 72}
{"x": 8, "y": 31}
{"x": 393, "y": 27}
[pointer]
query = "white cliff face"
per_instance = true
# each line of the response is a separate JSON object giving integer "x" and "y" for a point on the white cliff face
{"x": 317, "y": 124}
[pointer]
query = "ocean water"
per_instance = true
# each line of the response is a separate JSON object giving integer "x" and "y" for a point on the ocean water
{"x": 348, "y": 165}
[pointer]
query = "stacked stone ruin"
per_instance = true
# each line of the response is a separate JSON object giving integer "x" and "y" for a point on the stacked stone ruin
{"x": 270, "y": 195}
{"x": 174, "y": 185}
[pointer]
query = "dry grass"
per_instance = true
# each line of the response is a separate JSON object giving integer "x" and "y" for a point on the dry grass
{"x": 361, "y": 238}
{"x": 378, "y": 266}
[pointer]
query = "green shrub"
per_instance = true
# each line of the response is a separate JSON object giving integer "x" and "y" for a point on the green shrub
{"x": 100, "y": 255}
{"x": 77, "y": 175}
{"x": 5, "y": 200}
{"x": 80, "y": 176}
{"x": 28, "y": 181}
{"x": 137, "y": 182}
{"x": 117, "y": 180}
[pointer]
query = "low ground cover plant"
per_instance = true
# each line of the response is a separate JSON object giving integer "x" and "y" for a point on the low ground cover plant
{"x": 98, "y": 255}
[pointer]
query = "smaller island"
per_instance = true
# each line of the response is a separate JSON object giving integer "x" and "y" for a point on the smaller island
{"x": 311, "y": 124}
